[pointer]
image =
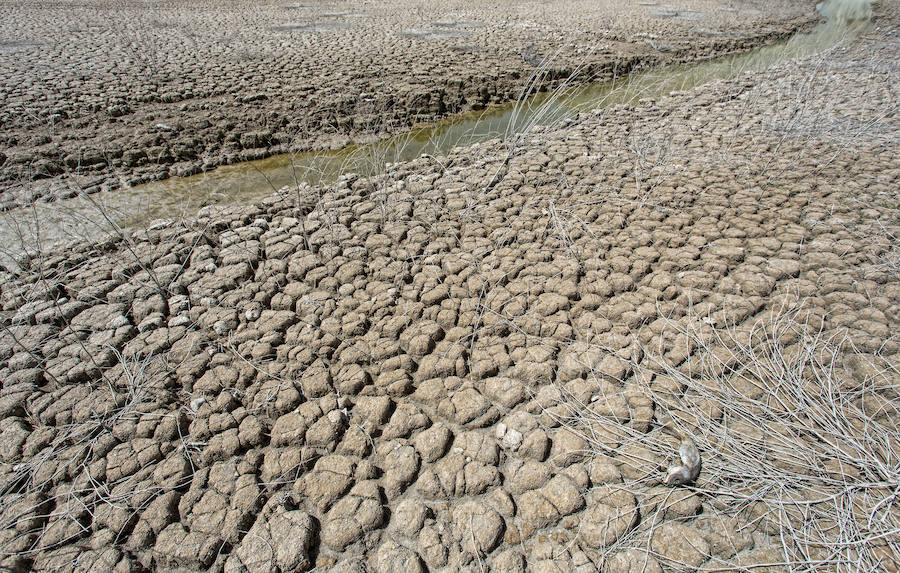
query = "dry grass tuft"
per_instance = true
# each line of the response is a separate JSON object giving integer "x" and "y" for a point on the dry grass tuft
{"x": 799, "y": 433}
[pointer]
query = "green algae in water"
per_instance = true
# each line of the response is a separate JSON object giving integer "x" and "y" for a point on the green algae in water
{"x": 242, "y": 183}
{"x": 250, "y": 180}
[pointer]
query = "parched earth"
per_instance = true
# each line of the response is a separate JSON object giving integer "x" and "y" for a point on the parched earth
{"x": 486, "y": 361}
{"x": 99, "y": 95}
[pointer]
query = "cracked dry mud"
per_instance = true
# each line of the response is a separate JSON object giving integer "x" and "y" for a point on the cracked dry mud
{"x": 445, "y": 369}
{"x": 185, "y": 86}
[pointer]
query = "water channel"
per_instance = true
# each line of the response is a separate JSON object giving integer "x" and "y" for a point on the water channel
{"x": 137, "y": 207}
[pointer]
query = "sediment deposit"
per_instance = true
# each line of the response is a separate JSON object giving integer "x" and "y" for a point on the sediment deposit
{"x": 99, "y": 95}
{"x": 488, "y": 360}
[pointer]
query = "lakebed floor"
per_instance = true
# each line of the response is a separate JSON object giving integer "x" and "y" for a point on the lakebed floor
{"x": 98, "y": 95}
{"x": 486, "y": 361}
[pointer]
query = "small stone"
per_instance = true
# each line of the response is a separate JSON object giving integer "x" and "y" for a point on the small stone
{"x": 512, "y": 440}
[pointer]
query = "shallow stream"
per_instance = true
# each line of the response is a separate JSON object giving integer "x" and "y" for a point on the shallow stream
{"x": 137, "y": 207}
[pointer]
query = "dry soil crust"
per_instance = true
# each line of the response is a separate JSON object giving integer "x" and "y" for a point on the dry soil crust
{"x": 442, "y": 368}
{"x": 103, "y": 94}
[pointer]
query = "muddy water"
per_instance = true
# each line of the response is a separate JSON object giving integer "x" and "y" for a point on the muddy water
{"x": 137, "y": 207}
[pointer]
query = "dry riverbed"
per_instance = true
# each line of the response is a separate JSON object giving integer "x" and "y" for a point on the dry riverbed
{"x": 487, "y": 361}
{"x": 97, "y": 95}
